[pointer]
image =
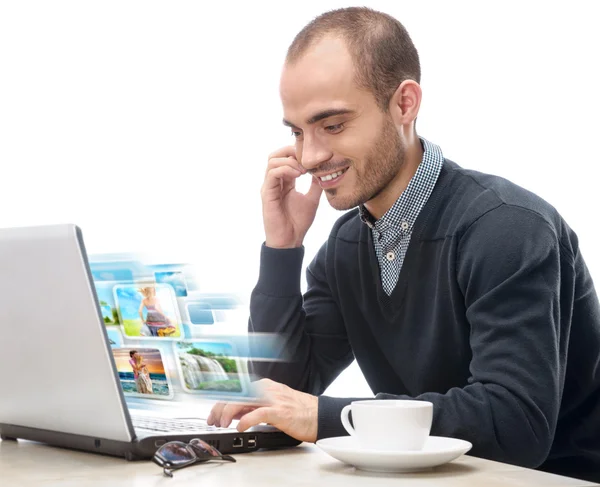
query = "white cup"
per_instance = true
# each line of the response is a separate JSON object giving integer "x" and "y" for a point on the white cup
{"x": 391, "y": 425}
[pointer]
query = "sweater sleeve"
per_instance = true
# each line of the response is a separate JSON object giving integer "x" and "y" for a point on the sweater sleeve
{"x": 509, "y": 270}
{"x": 311, "y": 332}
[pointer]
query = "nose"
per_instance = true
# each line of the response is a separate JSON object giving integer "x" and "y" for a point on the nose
{"x": 314, "y": 153}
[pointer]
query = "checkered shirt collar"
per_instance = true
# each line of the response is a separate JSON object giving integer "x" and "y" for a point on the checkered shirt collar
{"x": 408, "y": 206}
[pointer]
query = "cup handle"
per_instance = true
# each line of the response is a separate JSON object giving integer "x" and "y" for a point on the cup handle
{"x": 346, "y": 421}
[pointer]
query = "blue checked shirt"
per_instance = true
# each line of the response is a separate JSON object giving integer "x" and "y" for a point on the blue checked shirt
{"x": 392, "y": 232}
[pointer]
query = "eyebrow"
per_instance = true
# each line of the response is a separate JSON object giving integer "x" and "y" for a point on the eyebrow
{"x": 322, "y": 116}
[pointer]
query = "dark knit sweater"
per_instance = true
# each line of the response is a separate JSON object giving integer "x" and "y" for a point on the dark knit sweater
{"x": 494, "y": 319}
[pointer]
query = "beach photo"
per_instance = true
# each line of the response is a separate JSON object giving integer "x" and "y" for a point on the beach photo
{"x": 142, "y": 372}
{"x": 147, "y": 311}
{"x": 208, "y": 367}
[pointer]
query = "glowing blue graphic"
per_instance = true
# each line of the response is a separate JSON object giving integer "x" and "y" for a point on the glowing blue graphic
{"x": 174, "y": 279}
{"x": 200, "y": 314}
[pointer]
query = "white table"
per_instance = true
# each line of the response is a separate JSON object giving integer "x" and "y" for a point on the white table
{"x": 27, "y": 464}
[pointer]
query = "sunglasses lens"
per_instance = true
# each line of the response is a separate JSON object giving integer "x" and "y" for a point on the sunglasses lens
{"x": 203, "y": 449}
{"x": 176, "y": 453}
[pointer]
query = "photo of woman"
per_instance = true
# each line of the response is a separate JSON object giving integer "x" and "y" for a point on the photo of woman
{"x": 148, "y": 311}
{"x": 156, "y": 320}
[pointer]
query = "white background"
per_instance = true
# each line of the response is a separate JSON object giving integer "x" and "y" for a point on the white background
{"x": 149, "y": 123}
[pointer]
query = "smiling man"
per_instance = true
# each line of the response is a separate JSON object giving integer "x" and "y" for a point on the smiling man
{"x": 446, "y": 284}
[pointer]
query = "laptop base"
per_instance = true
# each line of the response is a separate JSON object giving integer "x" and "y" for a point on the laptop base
{"x": 144, "y": 448}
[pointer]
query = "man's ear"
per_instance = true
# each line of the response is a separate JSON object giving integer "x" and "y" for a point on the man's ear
{"x": 405, "y": 103}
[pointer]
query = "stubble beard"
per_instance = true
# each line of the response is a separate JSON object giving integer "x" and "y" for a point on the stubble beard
{"x": 379, "y": 168}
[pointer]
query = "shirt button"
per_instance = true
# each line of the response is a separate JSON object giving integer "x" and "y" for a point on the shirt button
{"x": 404, "y": 225}
{"x": 390, "y": 256}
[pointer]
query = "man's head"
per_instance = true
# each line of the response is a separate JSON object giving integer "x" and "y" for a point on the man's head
{"x": 350, "y": 93}
{"x": 133, "y": 353}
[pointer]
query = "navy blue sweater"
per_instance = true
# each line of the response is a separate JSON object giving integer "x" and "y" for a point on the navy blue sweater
{"x": 494, "y": 319}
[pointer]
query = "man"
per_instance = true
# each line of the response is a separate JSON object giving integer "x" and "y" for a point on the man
{"x": 445, "y": 284}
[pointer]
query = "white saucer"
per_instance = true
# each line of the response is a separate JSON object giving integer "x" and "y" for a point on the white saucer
{"x": 437, "y": 451}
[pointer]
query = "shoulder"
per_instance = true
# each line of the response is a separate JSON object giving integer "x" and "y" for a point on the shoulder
{"x": 477, "y": 199}
{"x": 508, "y": 228}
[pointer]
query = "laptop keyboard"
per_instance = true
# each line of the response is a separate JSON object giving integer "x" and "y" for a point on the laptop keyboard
{"x": 164, "y": 425}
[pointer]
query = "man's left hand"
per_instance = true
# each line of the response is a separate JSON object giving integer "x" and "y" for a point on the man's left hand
{"x": 291, "y": 411}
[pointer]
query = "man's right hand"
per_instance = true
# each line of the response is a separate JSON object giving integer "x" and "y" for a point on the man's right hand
{"x": 293, "y": 412}
{"x": 287, "y": 213}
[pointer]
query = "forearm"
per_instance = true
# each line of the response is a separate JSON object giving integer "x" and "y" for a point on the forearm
{"x": 276, "y": 308}
{"x": 330, "y": 409}
{"x": 312, "y": 342}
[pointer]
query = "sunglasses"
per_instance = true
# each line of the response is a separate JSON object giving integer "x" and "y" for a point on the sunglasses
{"x": 177, "y": 454}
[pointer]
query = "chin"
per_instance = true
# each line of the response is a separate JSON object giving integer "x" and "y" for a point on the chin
{"x": 341, "y": 203}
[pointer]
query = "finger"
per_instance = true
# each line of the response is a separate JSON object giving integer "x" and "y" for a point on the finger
{"x": 275, "y": 177}
{"x": 231, "y": 411}
{"x": 285, "y": 161}
{"x": 315, "y": 190}
{"x": 287, "y": 151}
{"x": 260, "y": 415}
{"x": 244, "y": 411}
{"x": 215, "y": 414}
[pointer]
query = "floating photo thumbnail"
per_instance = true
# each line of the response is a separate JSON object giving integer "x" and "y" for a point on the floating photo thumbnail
{"x": 148, "y": 311}
{"x": 142, "y": 372}
{"x": 208, "y": 367}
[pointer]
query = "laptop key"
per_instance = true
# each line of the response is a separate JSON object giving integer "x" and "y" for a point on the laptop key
{"x": 191, "y": 425}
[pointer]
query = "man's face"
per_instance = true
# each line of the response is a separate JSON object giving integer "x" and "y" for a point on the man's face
{"x": 339, "y": 127}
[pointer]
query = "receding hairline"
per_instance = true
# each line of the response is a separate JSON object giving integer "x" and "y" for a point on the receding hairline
{"x": 380, "y": 48}
{"x": 336, "y": 23}
{"x": 295, "y": 54}
{"x": 334, "y": 34}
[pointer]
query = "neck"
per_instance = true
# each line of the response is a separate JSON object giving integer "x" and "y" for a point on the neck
{"x": 379, "y": 205}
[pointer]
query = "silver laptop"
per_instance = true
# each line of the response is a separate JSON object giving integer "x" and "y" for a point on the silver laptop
{"x": 60, "y": 381}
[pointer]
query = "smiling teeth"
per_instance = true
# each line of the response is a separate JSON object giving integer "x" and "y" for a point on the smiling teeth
{"x": 329, "y": 177}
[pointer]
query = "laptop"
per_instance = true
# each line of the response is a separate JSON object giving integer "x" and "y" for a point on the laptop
{"x": 60, "y": 381}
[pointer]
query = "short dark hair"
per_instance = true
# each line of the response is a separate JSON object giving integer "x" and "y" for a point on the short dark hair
{"x": 382, "y": 51}
{"x": 132, "y": 353}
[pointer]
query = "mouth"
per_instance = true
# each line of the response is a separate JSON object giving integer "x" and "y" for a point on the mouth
{"x": 331, "y": 179}
{"x": 333, "y": 175}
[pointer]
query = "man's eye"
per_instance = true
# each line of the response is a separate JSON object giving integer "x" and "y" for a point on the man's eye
{"x": 296, "y": 133}
{"x": 334, "y": 129}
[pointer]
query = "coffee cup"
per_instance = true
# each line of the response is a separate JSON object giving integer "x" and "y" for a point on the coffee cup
{"x": 391, "y": 425}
